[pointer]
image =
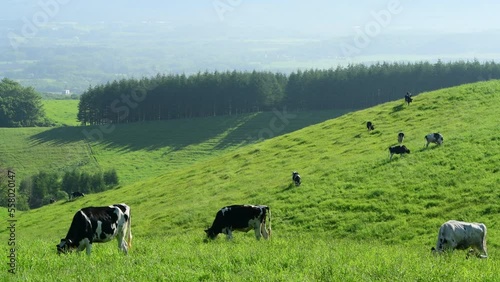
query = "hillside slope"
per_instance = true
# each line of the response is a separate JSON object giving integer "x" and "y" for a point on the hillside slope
{"x": 140, "y": 150}
{"x": 350, "y": 188}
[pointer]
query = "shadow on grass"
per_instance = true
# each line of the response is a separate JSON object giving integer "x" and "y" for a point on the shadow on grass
{"x": 235, "y": 130}
{"x": 275, "y": 123}
{"x": 396, "y": 157}
{"x": 290, "y": 186}
{"x": 398, "y": 108}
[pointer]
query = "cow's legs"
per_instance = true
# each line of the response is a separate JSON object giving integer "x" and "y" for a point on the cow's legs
{"x": 482, "y": 247}
{"x": 227, "y": 231}
{"x": 263, "y": 230}
{"x": 122, "y": 245}
{"x": 89, "y": 248}
{"x": 257, "y": 231}
{"x": 85, "y": 244}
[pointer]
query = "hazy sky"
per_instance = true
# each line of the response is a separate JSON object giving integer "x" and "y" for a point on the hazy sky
{"x": 314, "y": 16}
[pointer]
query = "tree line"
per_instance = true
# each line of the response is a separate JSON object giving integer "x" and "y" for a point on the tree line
{"x": 43, "y": 188}
{"x": 173, "y": 96}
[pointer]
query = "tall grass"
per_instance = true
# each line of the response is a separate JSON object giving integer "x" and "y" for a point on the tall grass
{"x": 287, "y": 257}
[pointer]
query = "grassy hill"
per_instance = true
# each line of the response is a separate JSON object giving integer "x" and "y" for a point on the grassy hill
{"x": 357, "y": 215}
{"x": 141, "y": 150}
{"x": 26, "y": 155}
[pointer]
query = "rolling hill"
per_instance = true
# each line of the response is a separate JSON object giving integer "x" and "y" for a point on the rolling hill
{"x": 350, "y": 190}
{"x": 141, "y": 150}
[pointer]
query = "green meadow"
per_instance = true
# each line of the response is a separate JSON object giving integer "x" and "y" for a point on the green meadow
{"x": 141, "y": 150}
{"x": 62, "y": 112}
{"x": 356, "y": 217}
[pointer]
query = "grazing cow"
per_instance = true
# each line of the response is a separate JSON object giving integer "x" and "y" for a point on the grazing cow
{"x": 401, "y": 137}
{"x": 408, "y": 98}
{"x": 241, "y": 218}
{"x": 434, "y": 138}
{"x": 296, "y": 178}
{"x": 461, "y": 235}
{"x": 398, "y": 150}
{"x": 98, "y": 225}
{"x": 370, "y": 126}
{"x": 77, "y": 194}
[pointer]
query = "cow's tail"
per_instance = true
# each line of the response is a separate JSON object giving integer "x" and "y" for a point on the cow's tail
{"x": 483, "y": 243}
{"x": 128, "y": 237}
{"x": 269, "y": 216}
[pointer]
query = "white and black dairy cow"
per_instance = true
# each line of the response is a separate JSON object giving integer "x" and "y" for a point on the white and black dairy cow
{"x": 98, "y": 225}
{"x": 296, "y": 178}
{"x": 401, "y": 137}
{"x": 399, "y": 150}
{"x": 461, "y": 235}
{"x": 436, "y": 138}
{"x": 241, "y": 218}
{"x": 370, "y": 126}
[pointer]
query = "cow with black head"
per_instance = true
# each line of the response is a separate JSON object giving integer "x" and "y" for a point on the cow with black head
{"x": 408, "y": 98}
{"x": 401, "y": 137}
{"x": 399, "y": 150}
{"x": 241, "y": 218}
{"x": 98, "y": 225}
{"x": 370, "y": 126}
{"x": 296, "y": 178}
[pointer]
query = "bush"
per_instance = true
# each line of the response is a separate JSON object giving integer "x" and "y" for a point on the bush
{"x": 111, "y": 177}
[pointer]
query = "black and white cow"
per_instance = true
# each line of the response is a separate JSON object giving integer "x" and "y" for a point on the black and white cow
{"x": 241, "y": 218}
{"x": 408, "y": 98}
{"x": 77, "y": 194}
{"x": 98, "y": 225}
{"x": 436, "y": 138}
{"x": 459, "y": 235}
{"x": 296, "y": 178}
{"x": 370, "y": 126}
{"x": 398, "y": 150}
{"x": 401, "y": 137}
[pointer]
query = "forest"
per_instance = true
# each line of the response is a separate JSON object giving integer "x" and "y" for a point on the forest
{"x": 45, "y": 187}
{"x": 164, "y": 97}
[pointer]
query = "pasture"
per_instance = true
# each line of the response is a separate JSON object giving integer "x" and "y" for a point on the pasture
{"x": 356, "y": 216}
{"x": 141, "y": 150}
{"x": 306, "y": 257}
{"x": 62, "y": 112}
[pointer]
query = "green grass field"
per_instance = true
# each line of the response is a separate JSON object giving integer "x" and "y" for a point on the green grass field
{"x": 62, "y": 112}
{"x": 142, "y": 150}
{"x": 292, "y": 258}
{"x": 27, "y": 155}
{"x": 356, "y": 217}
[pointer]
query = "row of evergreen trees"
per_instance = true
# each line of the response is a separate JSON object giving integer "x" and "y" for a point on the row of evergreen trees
{"x": 44, "y": 187}
{"x": 224, "y": 93}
